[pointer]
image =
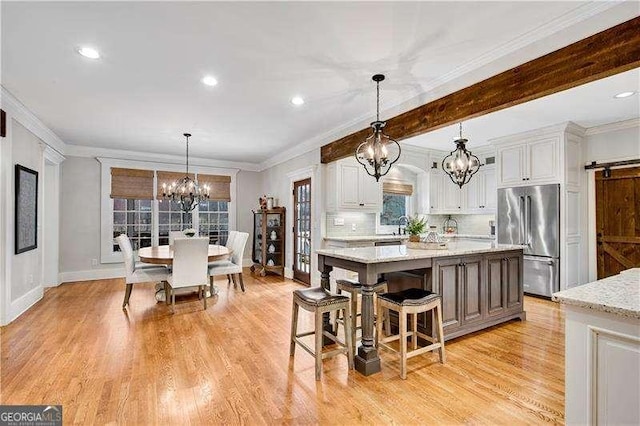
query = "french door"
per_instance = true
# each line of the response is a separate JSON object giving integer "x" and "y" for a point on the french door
{"x": 302, "y": 231}
{"x": 618, "y": 220}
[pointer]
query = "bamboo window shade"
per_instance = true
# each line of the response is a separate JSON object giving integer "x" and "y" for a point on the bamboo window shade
{"x": 131, "y": 183}
{"x": 169, "y": 178}
{"x": 219, "y": 186}
{"x": 397, "y": 188}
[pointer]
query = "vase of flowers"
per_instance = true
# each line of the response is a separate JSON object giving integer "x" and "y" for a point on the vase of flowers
{"x": 415, "y": 226}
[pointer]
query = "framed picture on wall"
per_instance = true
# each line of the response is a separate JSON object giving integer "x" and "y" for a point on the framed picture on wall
{"x": 26, "y": 207}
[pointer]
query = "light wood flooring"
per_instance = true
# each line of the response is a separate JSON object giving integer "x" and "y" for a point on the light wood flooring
{"x": 230, "y": 364}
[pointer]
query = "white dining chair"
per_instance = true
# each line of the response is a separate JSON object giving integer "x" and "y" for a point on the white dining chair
{"x": 190, "y": 262}
{"x": 232, "y": 266}
{"x": 137, "y": 272}
{"x": 230, "y": 238}
{"x": 173, "y": 235}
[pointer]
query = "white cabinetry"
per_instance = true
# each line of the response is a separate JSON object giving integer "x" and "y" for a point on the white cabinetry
{"x": 477, "y": 196}
{"x": 435, "y": 190}
{"x": 350, "y": 188}
{"x": 531, "y": 162}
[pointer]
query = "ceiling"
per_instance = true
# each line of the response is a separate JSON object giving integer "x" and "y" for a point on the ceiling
{"x": 588, "y": 105}
{"x": 146, "y": 91}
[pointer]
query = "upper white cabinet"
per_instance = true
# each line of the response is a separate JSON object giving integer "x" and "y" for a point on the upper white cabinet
{"x": 350, "y": 188}
{"x": 530, "y": 162}
{"x": 477, "y": 196}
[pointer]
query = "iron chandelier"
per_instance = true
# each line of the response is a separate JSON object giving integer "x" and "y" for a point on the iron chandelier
{"x": 460, "y": 164}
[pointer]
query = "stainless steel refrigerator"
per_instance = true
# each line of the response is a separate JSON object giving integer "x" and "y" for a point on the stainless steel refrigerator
{"x": 530, "y": 216}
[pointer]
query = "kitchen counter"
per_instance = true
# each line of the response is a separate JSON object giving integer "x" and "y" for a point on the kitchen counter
{"x": 400, "y": 252}
{"x": 387, "y": 237}
{"x": 619, "y": 294}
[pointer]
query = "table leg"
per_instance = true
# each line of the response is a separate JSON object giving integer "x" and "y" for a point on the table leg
{"x": 367, "y": 360}
{"x": 325, "y": 282}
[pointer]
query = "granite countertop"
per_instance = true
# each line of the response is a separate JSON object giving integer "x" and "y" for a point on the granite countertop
{"x": 381, "y": 254}
{"x": 387, "y": 237}
{"x": 619, "y": 294}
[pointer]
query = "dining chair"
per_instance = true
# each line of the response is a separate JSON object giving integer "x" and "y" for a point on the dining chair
{"x": 175, "y": 234}
{"x": 190, "y": 262}
{"x": 230, "y": 238}
{"x": 232, "y": 266}
{"x": 137, "y": 272}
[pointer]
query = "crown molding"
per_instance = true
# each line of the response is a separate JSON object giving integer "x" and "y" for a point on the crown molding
{"x": 571, "y": 18}
{"x": 117, "y": 154}
{"x": 18, "y": 111}
{"x": 568, "y": 127}
{"x": 612, "y": 127}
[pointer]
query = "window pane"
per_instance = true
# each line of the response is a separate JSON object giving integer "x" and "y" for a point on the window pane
{"x": 393, "y": 206}
{"x": 119, "y": 204}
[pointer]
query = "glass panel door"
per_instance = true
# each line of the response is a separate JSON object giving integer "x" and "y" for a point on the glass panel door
{"x": 302, "y": 231}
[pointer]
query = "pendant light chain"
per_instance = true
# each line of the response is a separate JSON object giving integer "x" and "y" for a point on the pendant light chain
{"x": 377, "y": 101}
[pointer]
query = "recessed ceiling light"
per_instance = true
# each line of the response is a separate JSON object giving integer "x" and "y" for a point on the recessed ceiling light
{"x": 624, "y": 95}
{"x": 209, "y": 80}
{"x": 89, "y": 52}
{"x": 297, "y": 100}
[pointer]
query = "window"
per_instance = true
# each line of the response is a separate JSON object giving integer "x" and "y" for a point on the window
{"x": 393, "y": 206}
{"x": 171, "y": 218}
{"x": 132, "y": 217}
{"x": 214, "y": 221}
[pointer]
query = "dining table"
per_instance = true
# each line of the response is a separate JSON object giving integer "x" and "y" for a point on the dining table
{"x": 163, "y": 255}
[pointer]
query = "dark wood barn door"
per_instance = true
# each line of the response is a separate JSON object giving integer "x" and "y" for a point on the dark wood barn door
{"x": 302, "y": 231}
{"x": 618, "y": 220}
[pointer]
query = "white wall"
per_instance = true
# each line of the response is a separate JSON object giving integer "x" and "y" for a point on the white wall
{"x": 80, "y": 230}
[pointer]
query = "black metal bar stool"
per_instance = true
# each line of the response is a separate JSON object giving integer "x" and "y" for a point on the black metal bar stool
{"x": 318, "y": 300}
{"x": 411, "y": 301}
{"x": 354, "y": 288}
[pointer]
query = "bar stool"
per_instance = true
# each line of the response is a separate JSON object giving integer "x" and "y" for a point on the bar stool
{"x": 354, "y": 288}
{"x": 411, "y": 301}
{"x": 319, "y": 301}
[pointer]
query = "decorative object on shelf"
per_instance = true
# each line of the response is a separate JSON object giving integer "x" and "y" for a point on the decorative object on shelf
{"x": 378, "y": 152}
{"x": 190, "y": 232}
{"x": 185, "y": 191}
{"x": 416, "y": 225}
{"x": 263, "y": 202}
{"x": 460, "y": 165}
{"x": 268, "y": 242}
{"x": 450, "y": 226}
{"x": 269, "y": 203}
{"x": 26, "y": 209}
{"x": 432, "y": 236}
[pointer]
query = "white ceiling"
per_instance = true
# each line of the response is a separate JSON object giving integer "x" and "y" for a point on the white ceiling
{"x": 145, "y": 91}
{"x": 588, "y": 105}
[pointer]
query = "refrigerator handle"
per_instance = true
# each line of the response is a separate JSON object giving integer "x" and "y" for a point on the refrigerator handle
{"x": 528, "y": 220}
{"x": 522, "y": 220}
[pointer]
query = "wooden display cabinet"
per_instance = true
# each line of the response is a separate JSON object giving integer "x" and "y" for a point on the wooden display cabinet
{"x": 269, "y": 241}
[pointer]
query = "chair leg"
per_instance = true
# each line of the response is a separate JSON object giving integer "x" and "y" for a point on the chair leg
{"x": 228, "y": 278}
{"x": 241, "y": 281}
{"x": 336, "y": 324}
{"x": 348, "y": 336}
{"x": 233, "y": 278}
{"x": 387, "y": 322}
{"x": 127, "y": 294}
{"x": 353, "y": 318}
{"x": 294, "y": 328}
{"x": 414, "y": 328}
{"x": 318, "y": 336}
{"x": 379, "y": 320}
{"x": 204, "y": 296}
{"x": 440, "y": 333}
{"x": 173, "y": 301}
{"x": 403, "y": 344}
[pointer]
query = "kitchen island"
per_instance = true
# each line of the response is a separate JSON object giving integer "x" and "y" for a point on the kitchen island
{"x": 480, "y": 284}
{"x": 602, "y": 350}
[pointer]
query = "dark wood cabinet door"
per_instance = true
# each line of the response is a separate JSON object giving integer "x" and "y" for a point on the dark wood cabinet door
{"x": 513, "y": 281}
{"x": 446, "y": 283}
{"x": 496, "y": 291}
{"x": 472, "y": 289}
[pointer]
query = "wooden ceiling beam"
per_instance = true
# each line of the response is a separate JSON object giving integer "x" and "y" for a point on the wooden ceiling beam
{"x": 609, "y": 52}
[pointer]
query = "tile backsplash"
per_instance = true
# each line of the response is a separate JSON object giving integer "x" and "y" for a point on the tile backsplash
{"x": 357, "y": 224}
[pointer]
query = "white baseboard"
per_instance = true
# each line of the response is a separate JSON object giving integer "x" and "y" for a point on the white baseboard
{"x": 288, "y": 273}
{"x": 246, "y": 263}
{"x": 23, "y": 303}
{"x": 92, "y": 274}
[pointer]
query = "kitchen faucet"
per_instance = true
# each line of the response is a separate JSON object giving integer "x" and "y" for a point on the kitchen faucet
{"x": 402, "y": 231}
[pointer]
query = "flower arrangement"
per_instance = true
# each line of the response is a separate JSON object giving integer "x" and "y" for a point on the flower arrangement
{"x": 190, "y": 232}
{"x": 416, "y": 225}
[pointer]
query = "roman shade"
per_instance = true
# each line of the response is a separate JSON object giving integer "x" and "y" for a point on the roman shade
{"x": 131, "y": 183}
{"x": 168, "y": 178}
{"x": 219, "y": 186}
{"x": 397, "y": 188}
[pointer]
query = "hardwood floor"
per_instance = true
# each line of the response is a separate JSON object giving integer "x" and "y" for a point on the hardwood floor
{"x": 230, "y": 364}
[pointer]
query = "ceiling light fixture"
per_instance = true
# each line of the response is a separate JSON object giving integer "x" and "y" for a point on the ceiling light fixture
{"x": 185, "y": 191}
{"x": 378, "y": 152}
{"x": 209, "y": 80}
{"x": 89, "y": 52}
{"x": 460, "y": 164}
{"x": 297, "y": 100}
{"x": 624, "y": 95}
